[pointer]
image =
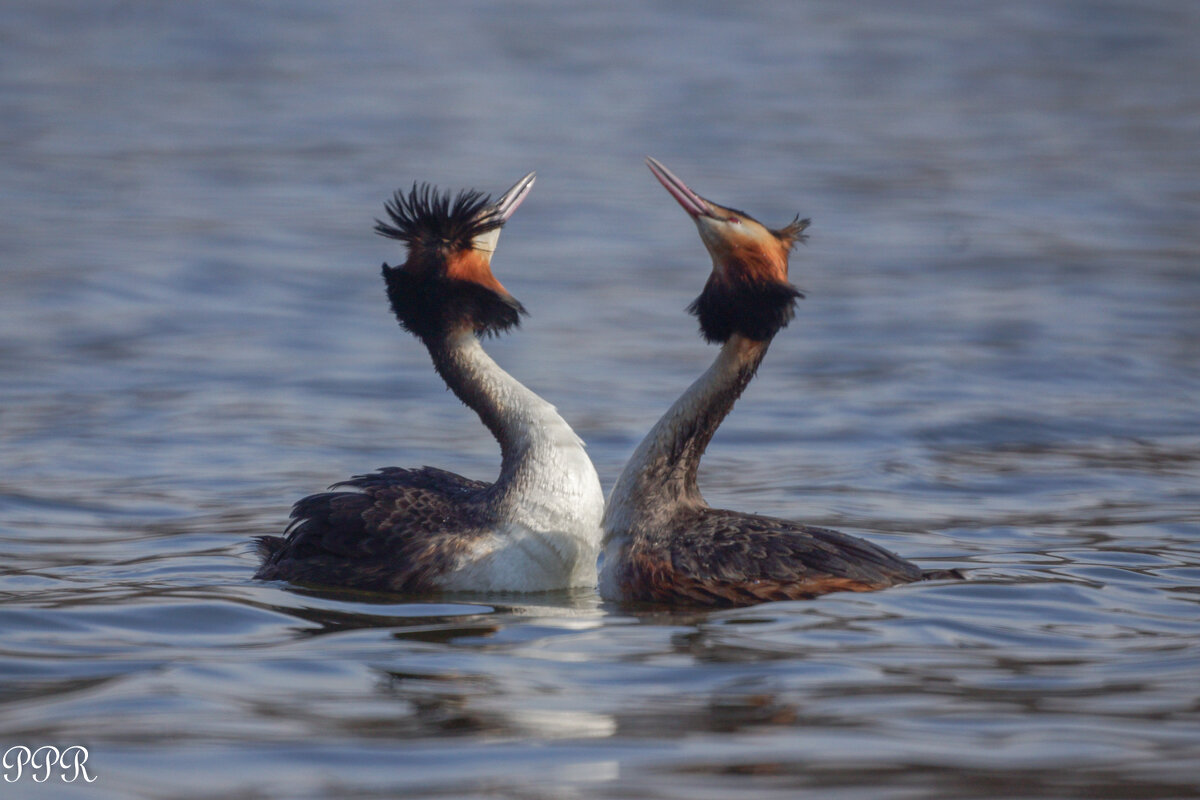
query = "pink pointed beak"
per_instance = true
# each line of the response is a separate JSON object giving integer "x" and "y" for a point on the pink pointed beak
{"x": 692, "y": 203}
{"x": 508, "y": 202}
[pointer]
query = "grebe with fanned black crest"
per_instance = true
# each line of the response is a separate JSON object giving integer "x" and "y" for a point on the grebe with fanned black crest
{"x": 427, "y": 530}
{"x": 663, "y": 543}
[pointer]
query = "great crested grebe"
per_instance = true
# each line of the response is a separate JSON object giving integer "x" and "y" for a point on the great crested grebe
{"x": 427, "y": 530}
{"x": 663, "y": 543}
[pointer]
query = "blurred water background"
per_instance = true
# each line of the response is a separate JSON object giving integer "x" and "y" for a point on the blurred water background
{"x": 997, "y": 368}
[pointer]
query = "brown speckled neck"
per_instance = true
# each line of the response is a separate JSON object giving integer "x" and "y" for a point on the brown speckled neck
{"x": 661, "y": 475}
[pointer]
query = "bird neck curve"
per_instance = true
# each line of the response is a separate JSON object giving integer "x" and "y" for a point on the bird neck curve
{"x": 544, "y": 468}
{"x": 661, "y": 474}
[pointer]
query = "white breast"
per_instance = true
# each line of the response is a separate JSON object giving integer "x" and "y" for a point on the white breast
{"x": 518, "y": 559}
{"x": 548, "y": 502}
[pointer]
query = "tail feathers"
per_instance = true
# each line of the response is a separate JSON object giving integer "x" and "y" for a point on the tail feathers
{"x": 268, "y": 545}
{"x": 942, "y": 575}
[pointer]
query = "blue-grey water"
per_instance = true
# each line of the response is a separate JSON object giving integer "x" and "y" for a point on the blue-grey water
{"x": 997, "y": 368}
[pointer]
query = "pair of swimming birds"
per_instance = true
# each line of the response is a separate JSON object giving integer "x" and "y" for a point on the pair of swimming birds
{"x": 544, "y": 524}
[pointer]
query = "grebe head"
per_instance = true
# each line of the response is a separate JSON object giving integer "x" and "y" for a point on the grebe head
{"x": 748, "y": 291}
{"x": 446, "y": 285}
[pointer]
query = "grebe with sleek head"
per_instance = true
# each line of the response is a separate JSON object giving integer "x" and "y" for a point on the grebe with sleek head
{"x": 663, "y": 543}
{"x": 427, "y": 530}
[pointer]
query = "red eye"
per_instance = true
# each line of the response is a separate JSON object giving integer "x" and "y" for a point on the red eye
{"x": 735, "y": 220}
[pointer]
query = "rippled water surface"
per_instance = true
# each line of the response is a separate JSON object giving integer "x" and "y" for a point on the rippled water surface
{"x": 997, "y": 368}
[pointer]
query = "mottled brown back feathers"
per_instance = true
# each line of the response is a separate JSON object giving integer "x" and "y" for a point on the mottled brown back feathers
{"x": 400, "y": 531}
{"x": 712, "y": 557}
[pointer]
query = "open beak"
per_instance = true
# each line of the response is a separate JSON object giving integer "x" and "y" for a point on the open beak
{"x": 692, "y": 203}
{"x": 508, "y": 202}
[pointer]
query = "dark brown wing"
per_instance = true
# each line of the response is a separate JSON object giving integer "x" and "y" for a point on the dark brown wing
{"x": 398, "y": 532}
{"x": 721, "y": 558}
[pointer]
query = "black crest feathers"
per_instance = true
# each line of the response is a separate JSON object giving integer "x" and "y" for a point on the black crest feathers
{"x": 793, "y": 232}
{"x": 754, "y": 309}
{"x": 430, "y": 305}
{"x": 425, "y": 299}
{"x": 427, "y": 218}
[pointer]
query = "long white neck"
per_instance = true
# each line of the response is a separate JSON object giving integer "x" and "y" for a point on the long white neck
{"x": 661, "y": 474}
{"x": 546, "y": 479}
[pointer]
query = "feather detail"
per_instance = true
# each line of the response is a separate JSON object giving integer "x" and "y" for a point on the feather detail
{"x": 425, "y": 218}
{"x": 755, "y": 309}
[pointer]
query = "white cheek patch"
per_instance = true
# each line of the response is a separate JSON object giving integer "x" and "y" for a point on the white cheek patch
{"x": 486, "y": 242}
